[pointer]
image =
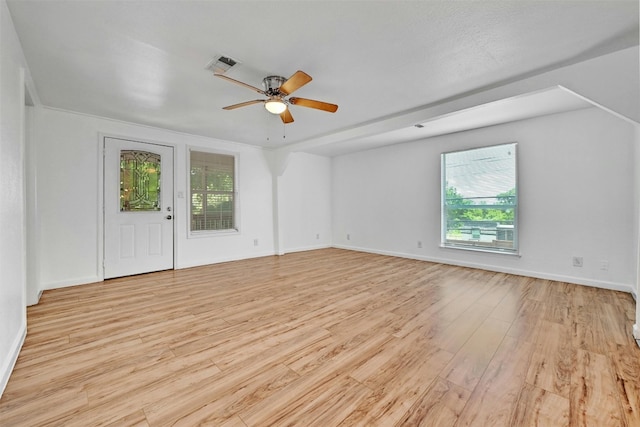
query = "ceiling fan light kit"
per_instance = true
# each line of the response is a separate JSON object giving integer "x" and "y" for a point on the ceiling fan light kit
{"x": 277, "y": 88}
{"x": 275, "y": 105}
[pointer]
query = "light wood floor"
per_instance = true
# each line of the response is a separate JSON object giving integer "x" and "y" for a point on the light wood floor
{"x": 327, "y": 338}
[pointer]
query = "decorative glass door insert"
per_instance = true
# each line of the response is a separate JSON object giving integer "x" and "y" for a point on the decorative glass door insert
{"x": 139, "y": 181}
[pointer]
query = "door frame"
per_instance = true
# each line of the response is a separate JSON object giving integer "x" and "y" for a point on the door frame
{"x": 101, "y": 202}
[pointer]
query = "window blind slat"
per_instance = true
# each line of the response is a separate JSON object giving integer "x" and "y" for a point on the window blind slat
{"x": 212, "y": 191}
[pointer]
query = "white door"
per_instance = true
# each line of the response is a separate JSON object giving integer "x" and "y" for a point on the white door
{"x": 138, "y": 207}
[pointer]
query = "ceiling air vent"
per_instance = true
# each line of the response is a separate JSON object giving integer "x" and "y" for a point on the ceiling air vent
{"x": 220, "y": 64}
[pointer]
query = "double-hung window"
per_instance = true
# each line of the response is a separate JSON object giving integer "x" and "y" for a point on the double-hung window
{"x": 480, "y": 199}
{"x": 213, "y": 191}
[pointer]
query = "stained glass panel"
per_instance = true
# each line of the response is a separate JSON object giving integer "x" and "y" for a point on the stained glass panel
{"x": 139, "y": 181}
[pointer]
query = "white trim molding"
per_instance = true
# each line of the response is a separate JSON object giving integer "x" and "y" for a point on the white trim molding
{"x": 10, "y": 362}
{"x": 70, "y": 282}
{"x": 498, "y": 269}
{"x": 305, "y": 248}
{"x": 219, "y": 260}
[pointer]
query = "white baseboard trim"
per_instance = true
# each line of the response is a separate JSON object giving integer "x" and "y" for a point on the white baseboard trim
{"x": 636, "y": 333}
{"x": 539, "y": 275}
{"x": 95, "y": 279}
{"x": 305, "y": 249}
{"x": 499, "y": 269}
{"x": 10, "y": 362}
{"x": 34, "y": 300}
{"x": 71, "y": 282}
{"x": 180, "y": 266}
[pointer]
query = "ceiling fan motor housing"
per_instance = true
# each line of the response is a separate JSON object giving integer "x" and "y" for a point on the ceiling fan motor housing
{"x": 272, "y": 84}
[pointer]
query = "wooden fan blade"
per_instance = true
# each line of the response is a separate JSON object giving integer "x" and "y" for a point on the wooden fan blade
{"x": 286, "y": 116}
{"x": 310, "y": 103}
{"x": 242, "y": 104}
{"x": 238, "y": 82}
{"x": 295, "y": 82}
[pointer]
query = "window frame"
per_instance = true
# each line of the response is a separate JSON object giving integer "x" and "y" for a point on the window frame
{"x": 443, "y": 207}
{"x": 236, "y": 195}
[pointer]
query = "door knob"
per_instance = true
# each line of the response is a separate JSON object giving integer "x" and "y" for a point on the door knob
{"x": 168, "y": 217}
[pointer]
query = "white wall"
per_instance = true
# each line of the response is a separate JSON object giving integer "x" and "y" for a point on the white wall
{"x": 305, "y": 203}
{"x": 68, "y": 191}
{"x": 636, "y": 170}
{"x": 12, "y": 207}
{"x": 576, "y": 191}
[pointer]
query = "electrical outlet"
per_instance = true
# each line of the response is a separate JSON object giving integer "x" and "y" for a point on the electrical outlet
{"x": 577, "y": 261}
{"x": 604, "y": 265}
{"x": 255, "y": 242}
{"x": 318, "y": 236}
{"x": 348, "y": 236}
{"x": 419, "y": 244}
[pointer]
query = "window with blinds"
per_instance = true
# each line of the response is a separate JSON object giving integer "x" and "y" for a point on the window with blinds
{"x": 480, "y": 199}
{"x": 213, "y": 191}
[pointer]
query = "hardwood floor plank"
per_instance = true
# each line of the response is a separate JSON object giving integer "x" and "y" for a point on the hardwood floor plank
{"x": 497, "y": 287}
{"x": 507, "y": 370}
{"x": 468, "y": 365}
{"x": 342, "y": 359}
{"x": 334, "y": 403}
{"x": 435, "y": 316}
{"x": 486, "y": 409}
{"x": 109, "y": 409}
{"x": 553, "y": 359}
{"x": 88, "y": 361}
{"x": 45, "y": 408}
{"x": 440, "y": 406}
{"x": 625, "y": 368}
{"x": 558, "y": 309}
{"x": 614, "y": 324}
{"x": 501, "y": 385}
{"x": 587, "y": 328}
{"x": 159, "y": 372}
{"x": 593, "y": 398}
{"x": 624, "y": 302}
{"x": 540, "y": 408}
{"x": 399, "y": 383}
{"x": 227, "y": 403}
{"x": 527, "y": 323}
{"x": 452, "y": 337}
{"x": 239, "y": 386}
{"x": 136, "y": 419}
{"x": 326, "y": 338}
{"x": 234, "y": 421}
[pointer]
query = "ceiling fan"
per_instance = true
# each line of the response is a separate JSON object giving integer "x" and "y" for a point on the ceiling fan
{"x": 277, "y": 89}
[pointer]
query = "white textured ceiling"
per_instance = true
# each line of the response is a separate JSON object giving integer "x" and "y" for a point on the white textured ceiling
{"x": 143, "y": 61}
{"x": 535, "y": 104}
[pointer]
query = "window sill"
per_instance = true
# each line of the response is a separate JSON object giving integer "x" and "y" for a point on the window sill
{"x": 211, "y": 233}
{"x": 481, "y": 249}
